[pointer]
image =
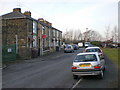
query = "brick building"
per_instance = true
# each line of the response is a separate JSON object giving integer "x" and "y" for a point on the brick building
{"x": 25, "y": 37}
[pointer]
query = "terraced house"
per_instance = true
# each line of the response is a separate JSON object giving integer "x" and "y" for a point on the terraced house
{"x": 24, "y": 37}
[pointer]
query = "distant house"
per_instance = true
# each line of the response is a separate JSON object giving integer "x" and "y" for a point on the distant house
{"x": 25, "y": 37}
{"x": 49, "y": 36}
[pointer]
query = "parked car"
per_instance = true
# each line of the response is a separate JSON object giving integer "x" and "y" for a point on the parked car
{"x": 88, "y": 63}
{"x": 69, "y": 48}
{"x": 94, "y": 49}
{"x": 75, "y": 47}
{"x": 87, "y": 44}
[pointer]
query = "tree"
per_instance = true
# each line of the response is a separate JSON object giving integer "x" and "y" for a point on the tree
{"x": 107, "y": 31}
{"x": 91, "y": 35}
{"x": 114, "y": 35}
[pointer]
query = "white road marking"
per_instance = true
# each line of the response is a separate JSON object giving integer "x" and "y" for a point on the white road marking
{"x": 76, "y": 84}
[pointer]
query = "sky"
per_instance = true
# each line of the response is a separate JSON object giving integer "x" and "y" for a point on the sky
{"x": 69, "y": 14}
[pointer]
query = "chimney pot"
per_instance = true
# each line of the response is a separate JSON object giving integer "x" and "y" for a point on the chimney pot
{"x": 41, "y": 19}
{"x": 17, "y": 9}
{"x": 27, "y": 13}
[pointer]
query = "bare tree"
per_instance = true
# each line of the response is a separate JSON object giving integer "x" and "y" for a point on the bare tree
{"x": 114, "y": 35}
{"x": 107, "y": 32}
{"x": 91, "y": 35}
{"x": 74, "y": 36}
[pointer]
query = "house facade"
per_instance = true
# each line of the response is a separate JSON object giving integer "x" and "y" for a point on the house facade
{"x": 25, "y": 37}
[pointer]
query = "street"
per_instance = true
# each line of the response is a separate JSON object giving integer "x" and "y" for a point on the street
{"x": 54, "y": 71}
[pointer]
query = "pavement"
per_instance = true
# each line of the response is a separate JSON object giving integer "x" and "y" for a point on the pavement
{"x": 52, "y": 55}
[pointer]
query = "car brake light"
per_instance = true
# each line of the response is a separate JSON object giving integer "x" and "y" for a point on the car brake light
{"x": 96, "y": 67}
{"x": 100, "y": 50}
{"x": 74, "y": 67}
{"x": 101, "y": 54}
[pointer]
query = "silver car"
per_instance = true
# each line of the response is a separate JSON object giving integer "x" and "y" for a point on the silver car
{"x": 69, "y": 48}
{"x": 88, "y": 63}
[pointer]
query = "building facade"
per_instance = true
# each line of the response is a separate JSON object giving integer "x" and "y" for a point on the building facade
{"x": 24, "y": 37}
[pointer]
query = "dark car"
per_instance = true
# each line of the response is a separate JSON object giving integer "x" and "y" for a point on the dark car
{"x": 75, "y": 47}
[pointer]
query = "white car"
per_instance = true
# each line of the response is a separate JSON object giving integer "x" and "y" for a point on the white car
{"x": 88, "y": 64}
{"x": 94, "y": 49}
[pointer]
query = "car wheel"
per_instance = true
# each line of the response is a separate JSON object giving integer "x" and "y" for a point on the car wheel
{"x": 100, "y": 76}
{"x": 104, "y": 69}
{"x": 75, "y": 76}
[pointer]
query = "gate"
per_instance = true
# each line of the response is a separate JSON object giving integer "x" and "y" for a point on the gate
{"x": 8, "y": 52}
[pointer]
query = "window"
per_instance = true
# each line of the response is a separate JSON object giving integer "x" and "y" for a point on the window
{"x": 93, "y": 50}
{"x": 43, "y": 30}
{"x": 34, "y": 27}
{"x": 34, "y": 42}
{"x": 85, "y": 58}
{"x": 35, "y": 34}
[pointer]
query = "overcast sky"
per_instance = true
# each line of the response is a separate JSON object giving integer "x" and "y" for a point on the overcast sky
{"x": 69, "y": 14}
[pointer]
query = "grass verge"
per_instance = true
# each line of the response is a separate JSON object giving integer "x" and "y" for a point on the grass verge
{"x": 112, "y": 54}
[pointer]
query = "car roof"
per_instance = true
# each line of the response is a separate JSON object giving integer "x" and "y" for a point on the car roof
{"x": 88, "y": 53}
{"x": 92, "y": 47}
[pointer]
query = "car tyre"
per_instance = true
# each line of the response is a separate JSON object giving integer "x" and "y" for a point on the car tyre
{"x": 104, "y": 69}
{"x": 75, "y": 76}
{"x": 100, "y": 76}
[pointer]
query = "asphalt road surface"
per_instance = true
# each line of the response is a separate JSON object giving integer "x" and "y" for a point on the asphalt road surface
{"x": 54, "y": 71}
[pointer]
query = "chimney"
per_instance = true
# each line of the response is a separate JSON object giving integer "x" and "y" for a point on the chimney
{"x": 17, "y": 9}
{"x": 46, "y": 22}
{"x": 27, "y": 13}
{"x": 41, "y": 19}
{"x": 50, "y": 24}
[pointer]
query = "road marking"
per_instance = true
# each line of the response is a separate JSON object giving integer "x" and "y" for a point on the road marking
{"x": 76, "y": 84}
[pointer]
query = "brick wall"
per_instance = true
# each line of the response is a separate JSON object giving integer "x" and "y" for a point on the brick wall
{"x": 19, "y": 27}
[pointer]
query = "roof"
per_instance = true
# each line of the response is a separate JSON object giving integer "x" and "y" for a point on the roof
{"x": 16, "y": 14}
{"x": 87, "y": 53}
{"x": 91, "y": 47}
{"x": 13, "y": 15}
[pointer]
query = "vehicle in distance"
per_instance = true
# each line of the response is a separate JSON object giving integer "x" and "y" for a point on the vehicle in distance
{"x": 89, "y": 63}
{"x": 94, "y": 49}
{"x": 87, "y": 44}
{"x": 75, "y": 47}
{"x": 80, "y": 44}
{"x": 69, "y": 48}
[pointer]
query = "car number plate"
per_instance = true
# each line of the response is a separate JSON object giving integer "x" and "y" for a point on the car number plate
{"x": 85, "y": 65}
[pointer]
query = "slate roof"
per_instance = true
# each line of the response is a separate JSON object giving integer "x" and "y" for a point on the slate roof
{"x": 14, "y": 14}
{"x": 17, "y": 14}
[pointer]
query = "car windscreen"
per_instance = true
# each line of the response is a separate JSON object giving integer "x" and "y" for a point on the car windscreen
{"x": 85, "y": 58}
{"x": 93, "y": 50}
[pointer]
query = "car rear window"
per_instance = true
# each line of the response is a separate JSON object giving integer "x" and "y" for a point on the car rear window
{"x": 85, "y": 58}
{"x": 93, "y": 50}
{"x": 68, "y": 47}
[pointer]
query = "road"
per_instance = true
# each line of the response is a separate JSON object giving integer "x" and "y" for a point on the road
{"x": 54, "y": 71}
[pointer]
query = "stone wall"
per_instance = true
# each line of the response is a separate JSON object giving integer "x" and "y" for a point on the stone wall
{"x": 20, "y": 28}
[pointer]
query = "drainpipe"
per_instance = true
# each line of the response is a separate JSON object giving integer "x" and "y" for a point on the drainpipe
{"x": 16, "y": 36}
